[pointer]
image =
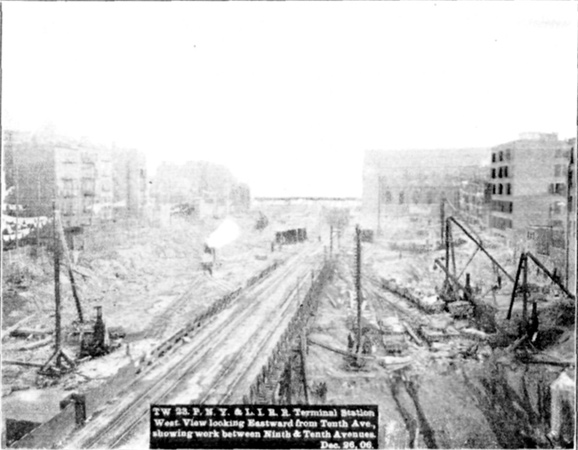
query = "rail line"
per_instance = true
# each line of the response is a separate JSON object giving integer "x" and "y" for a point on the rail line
{"x": 115, "y": 426}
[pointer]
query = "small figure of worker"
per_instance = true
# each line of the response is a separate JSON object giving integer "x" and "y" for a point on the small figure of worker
{"x": 350, "y": 342}
{"x": 534, "y": 323}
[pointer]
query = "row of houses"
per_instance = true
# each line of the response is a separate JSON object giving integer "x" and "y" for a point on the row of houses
{"x": 88, "y": 182}
{"x": 91, "y": 182}
{"x": 523, "y": 191}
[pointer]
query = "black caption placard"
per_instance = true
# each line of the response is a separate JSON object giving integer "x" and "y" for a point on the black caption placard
{"x": 275, "y": 426}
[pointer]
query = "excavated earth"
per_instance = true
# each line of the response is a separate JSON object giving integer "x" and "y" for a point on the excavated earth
{"x": 468, "y": 388}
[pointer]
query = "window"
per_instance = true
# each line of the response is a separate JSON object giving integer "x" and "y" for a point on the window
{"x": 401, "y": 198}
{"x": 67, "y": 187}
{"x": 493, "y": 189}
{"x": 558, "y": 188}
{"x": 557, "y": 170}
{"x": 500, "y": 172}
{"x": 507, "y": 154}
{"x": 508, "y": 189}
{"x": 415, "y": 197}
{"x": 500, "y": 189}
{"x": 506, "y": 172}
{"x": 511, "y": 207}
{"x": 493, "y": 173}
{"x": 493, "y": 157}
{"x": 387, "y": 197}
{"x": 501, "y": 156}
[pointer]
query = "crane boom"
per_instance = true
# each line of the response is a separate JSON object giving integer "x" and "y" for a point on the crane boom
{"x": 480, "y": 246}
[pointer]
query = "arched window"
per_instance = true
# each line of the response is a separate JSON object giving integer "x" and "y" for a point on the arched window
{"x": 500, "y": 189}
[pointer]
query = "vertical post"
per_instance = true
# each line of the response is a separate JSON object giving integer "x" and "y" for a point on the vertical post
{"x": 358, "y": 283}
{"x": 520, "y": 266}
{"x": 447, "y": 245}
{"x": 450, "y": 238}
{"x": 17, "y": 192}
{"x": 525, "y": 291}
{"x": 303, "y": 348}
{"x": 442, "y": 218}
{"x": 37, "y": 216}
{"x": 56, "y": 244}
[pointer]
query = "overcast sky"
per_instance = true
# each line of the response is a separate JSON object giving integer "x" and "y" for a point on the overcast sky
{"x": 289, "y": 95}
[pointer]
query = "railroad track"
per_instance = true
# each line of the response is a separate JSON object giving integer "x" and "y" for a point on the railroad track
{"x": 220, "y": 352}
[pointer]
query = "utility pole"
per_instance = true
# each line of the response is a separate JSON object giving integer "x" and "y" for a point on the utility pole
{"x": 525, "y": 293}
{"x": 17, "y": 202}
{"x": 62, "y": 362}
{"x": 447, "y": 246}
{"x": 56, "y": 244}
{"x": 37, "y": 216}
{"x": 358, "y": 283}
{"x": 442, "y": 218}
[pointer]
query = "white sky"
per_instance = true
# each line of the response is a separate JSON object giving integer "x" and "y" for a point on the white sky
{"x": 290, "y": 94}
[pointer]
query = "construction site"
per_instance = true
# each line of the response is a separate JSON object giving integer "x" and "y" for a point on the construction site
{"x": 288, "y": 225}
{"x": 461, "y": 342}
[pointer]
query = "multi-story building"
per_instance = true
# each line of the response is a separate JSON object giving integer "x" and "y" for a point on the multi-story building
{"x": 396, "y": 181}
{"x": 529, "y": 186}
{"x": 83, "y": 179}
{"x": 474, "y": 200}
{"x": 130, "y": 187}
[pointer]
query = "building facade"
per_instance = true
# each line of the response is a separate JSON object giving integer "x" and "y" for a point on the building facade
{"x": 474, "y": 200}
{"x": 396, "y": 182}
{"x": 529, "y": 184}
{"x": 83, "y": 179}
{"x": 130, "y": 186}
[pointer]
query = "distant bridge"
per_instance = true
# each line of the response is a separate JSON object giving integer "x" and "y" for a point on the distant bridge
{"x": 314, "y": 199}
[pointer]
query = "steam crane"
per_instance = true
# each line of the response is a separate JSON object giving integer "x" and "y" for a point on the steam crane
{"x": 460, "y": 305}
{"x": 523, "y": 287}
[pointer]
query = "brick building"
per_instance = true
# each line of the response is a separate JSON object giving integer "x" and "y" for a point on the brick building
{"x": 394, "y": 182}
{"x": 44, "y": 167}
{"x": 84, "y": 179}
{"x": 529, "y": 184}
{"x": 130, "y": 184}
{"x": 474, "y": 200}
